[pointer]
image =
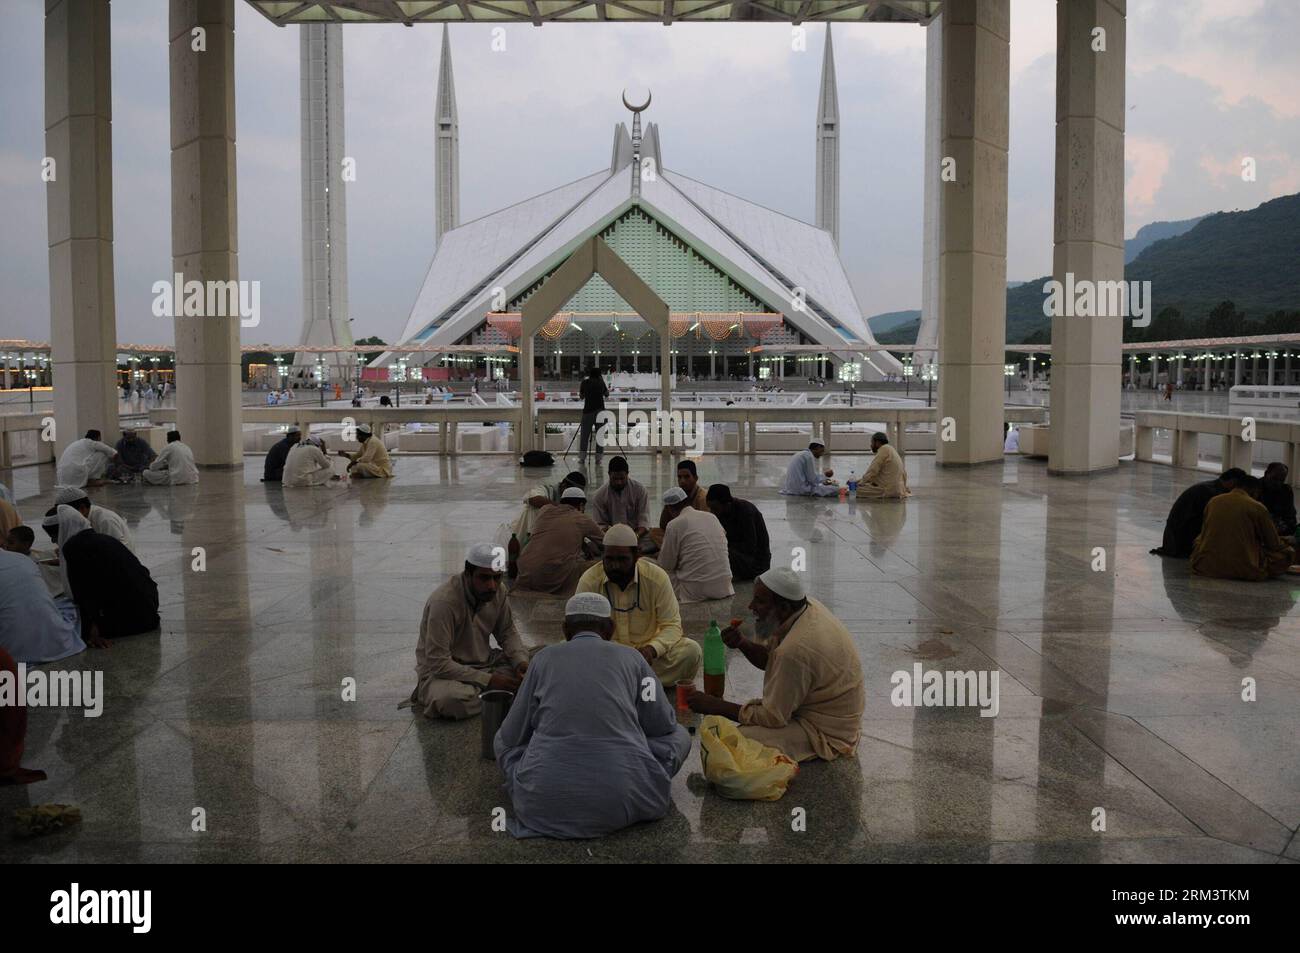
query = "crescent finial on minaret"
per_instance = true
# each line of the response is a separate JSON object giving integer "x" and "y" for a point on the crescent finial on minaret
{"x": 637, "y": 109}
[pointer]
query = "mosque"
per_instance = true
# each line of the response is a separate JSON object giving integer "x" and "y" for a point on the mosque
{"x": 735, "y": 275}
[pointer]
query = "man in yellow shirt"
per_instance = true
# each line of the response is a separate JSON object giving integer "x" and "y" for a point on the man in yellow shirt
{"x": 372, "y": 460}
{"x": 646, "y": 616}
{"x": 1238, "y": 539}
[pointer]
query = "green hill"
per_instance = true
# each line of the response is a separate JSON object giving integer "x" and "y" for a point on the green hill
{"x": 1233, "y": 273}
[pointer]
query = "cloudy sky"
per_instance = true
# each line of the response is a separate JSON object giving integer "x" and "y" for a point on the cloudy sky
{"x": 736, "y": 107}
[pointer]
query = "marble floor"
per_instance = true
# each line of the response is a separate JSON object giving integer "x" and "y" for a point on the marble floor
{"x": 1120, "y": 688}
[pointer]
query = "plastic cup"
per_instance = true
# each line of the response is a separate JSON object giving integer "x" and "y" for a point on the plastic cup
{"x": 684, "y": 689}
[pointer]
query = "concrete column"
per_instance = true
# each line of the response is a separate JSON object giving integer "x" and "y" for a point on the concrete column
{"x": 1286, "y": 369}
{"x": 751, "y": 364}
{"x": 1179, "y": 372}
{"x": 973, "y": 264}
{"x": 1236, "y": 369}
{"x": 1270, "y": 368}
{"x": 204, "y": 228}
{"x": 927, "y": 336}
{"x": 1089, "y": 232}
{"x": 79, "y": 217}
{"x": 1133, "y": 370}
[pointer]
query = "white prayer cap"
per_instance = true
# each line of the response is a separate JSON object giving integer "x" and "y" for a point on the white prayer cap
{"x": 364, "y": 428}
{"x": 294, "y": 428}
{"x": 786, "y": 583}
{"x": 482, "y": 555}
{"x": 68, "y": 494}
{"x": 620, "y": 534}
{"x": 588, "y": 603}
{"x": 675, "y": 495}
{"x": 573, "y": 493}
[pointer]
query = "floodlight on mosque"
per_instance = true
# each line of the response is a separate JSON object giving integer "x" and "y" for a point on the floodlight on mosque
{"x": 850, "y": 372}
{"x": 930, "y": 372}
{"x": 1009, "y": 370}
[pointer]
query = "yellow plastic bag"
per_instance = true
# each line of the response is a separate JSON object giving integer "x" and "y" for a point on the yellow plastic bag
{"x": 740, "y": 767}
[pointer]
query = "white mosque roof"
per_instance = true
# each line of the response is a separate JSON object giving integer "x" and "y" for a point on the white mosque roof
{"x": 766, "y": 253}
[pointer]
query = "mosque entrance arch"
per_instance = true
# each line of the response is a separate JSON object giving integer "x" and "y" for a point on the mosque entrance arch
{"x": 592, "y": 257}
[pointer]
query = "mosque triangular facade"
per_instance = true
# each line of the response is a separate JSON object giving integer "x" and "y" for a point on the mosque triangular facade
{"x": 705, "y": 251}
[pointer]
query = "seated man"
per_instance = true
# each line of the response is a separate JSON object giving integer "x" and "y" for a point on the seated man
{"x": 273, "y": 470}
{"x": 886, "y": 478}
{"x": 114, "y": 593}
{"x": 33, "y": 629}
{"x": 307, "y": 464}
{"x": 591, "y": 744}
{"x": 85, "y": 461}
{"x": 102, "y": 520}
{"x": 1184, "y": 522}
{"x": 561, "y": 547}
{"x": 174, "y": 466}
{"x": 813, "y": 692}
{"x": 454, "y": 659}
{"x": 748, "y": 548}
{"x": 646, "y": 615}
{"x": 372, "y": 460}
{"x": 802, "y": 477}
{"x": 134, "y": 457}
{"x": 694, "y": 552}
{"x": 19, "y": 540}
{"x": 1238, "y": 540}
{"x": 1010, "y": 438}
{"x": 688, "y": 479}
{"x": 542, "y": 495}
{"x": 621, "y": 500}
{"x": 1278, "y": 499}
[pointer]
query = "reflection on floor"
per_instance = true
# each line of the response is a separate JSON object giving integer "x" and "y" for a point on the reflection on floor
{"x": 1120, "y": 689}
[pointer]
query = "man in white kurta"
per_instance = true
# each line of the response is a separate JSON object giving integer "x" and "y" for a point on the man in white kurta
{"x": 102, "y": 520}
{"x": 85, "y": 460}
{"x": 307, "y": 464}
{"x": 803, "y": 476}
{"x": 540, "y": 497}
{"x": 32, "y": 628}
{"x": 174, "y": 466}
{"x": 694, "y": 551}
{"x": 886, "y": 478}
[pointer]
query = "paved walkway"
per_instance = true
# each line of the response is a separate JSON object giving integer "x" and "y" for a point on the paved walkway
{"x": 1120, "y": 689}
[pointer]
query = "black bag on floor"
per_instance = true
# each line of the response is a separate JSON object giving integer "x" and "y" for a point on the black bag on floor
{"x": 537, "y": 458}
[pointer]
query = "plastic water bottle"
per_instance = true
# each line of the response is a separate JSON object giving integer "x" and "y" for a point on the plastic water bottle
{"x": 853, "y": 482}
{"x": 715, "y": 661}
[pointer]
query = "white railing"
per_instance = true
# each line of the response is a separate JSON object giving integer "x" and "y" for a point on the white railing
{"x": 1233, "y": 430}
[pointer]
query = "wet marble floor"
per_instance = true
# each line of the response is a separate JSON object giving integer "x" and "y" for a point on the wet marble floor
{"x": 1120, "y": 687}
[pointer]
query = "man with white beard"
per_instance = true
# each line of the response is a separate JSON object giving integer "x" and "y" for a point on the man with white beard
{"x": 813, "y": 691}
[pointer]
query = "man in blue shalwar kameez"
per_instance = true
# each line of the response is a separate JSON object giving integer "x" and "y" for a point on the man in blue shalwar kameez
{"x": 591, "y": 743}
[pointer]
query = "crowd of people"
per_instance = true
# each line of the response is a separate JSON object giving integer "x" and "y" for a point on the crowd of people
{"x": 1236, "y": 526}
{"x": 592, "y": 741}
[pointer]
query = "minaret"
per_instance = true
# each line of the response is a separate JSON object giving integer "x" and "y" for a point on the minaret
{"x": 636, "y": 141}
{"x": 828, "y": 146}
{"x": 325, "y": 317}
{"x": 446, "y": 162}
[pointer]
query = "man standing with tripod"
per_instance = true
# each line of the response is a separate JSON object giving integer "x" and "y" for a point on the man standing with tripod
{"x": 593, "y": 392}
